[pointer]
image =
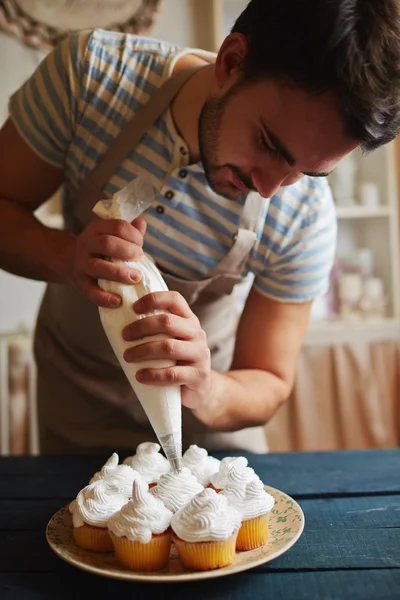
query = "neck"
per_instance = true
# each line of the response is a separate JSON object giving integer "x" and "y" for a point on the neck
{"x": 188, "y": 103}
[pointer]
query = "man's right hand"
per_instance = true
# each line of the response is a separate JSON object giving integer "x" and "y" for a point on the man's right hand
{"x": 104, "y": 239}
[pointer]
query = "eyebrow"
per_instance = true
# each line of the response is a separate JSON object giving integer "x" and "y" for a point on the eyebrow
{"x": 279, "y": 146}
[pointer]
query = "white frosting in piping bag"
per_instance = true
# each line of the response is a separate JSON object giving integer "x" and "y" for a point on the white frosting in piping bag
{"x": 161, "y": 404}
{"x": 202, "y": 465}
{"x": 208, "y": 517}
{"x": 176, "y": 489}
{"x": 123, "y": 475}
{"x": 96, "y": 503}
{"x": 141, "y": 517}
{"x": 148, "y": 462}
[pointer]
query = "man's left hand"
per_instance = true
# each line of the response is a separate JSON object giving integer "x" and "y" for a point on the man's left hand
{"x": 185, "y": 343}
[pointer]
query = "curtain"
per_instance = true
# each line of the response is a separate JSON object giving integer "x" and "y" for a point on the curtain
{"x": 346, "y": 396}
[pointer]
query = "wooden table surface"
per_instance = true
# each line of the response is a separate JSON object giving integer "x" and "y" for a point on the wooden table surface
{"x": 350, "y": 548}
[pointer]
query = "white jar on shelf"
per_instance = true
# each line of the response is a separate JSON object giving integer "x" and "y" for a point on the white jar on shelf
{"x": 350, "y": 295}
{"x": 343, "y": 181}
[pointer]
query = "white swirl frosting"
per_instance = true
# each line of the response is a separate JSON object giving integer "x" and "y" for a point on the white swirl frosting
{"x": 177, "y": 489}
{"x": 208, "y": 517}
{"x": 96, "y": 503}
{"x": 202, "y": 465}
{"x": 250, "y": 499}
{"x": 123, "y": 475}
{"x": 149, "y": 462}
{"x": 141, "y": 517}
{"x": 237, "y": 465}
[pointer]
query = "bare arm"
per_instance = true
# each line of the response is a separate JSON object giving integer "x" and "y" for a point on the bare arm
{"x": 29, "y": 249}
{"x": 268, "y": 343}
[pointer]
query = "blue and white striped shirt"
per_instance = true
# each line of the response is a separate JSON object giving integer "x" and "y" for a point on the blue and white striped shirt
{"x": 80, "y": 98}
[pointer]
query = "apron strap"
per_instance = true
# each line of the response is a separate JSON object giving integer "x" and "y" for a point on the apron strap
{"x": 131, "y": 134}
{"x": 252, "y": 210}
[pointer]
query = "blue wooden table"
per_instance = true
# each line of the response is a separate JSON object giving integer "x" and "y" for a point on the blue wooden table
{"x": 350, "y": 548}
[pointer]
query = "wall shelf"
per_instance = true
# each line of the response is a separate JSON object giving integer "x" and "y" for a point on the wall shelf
{"x": 363, "y": 212}
{"x": 344, "y": 331}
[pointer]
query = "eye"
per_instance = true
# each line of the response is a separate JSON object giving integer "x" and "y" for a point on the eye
{"x": 265, "y": 146}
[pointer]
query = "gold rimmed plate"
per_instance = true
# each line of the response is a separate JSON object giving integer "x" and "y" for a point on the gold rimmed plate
{"x": 286, "y": 524}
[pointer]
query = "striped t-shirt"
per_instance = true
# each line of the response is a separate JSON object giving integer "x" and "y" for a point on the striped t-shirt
{"x": 80, "y": 98}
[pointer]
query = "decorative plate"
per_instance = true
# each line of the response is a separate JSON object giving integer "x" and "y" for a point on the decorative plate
{"x": 286, "y": 525}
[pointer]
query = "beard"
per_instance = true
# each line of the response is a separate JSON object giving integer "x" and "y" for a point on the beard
{"x": 210, "y": 126}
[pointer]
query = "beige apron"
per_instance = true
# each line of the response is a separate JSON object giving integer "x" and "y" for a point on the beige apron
{"x": 85, "y": 402}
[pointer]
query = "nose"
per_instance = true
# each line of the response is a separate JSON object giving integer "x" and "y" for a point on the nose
{"x": 267, "y": 181}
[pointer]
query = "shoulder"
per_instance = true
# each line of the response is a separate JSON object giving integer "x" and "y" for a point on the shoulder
{"x": 299, "y": 239}
{"x": 129, "y": 43}
{"x": 302, "y": 209}
{"x": 121, "y": 71}
{"x": 308, "y": 197}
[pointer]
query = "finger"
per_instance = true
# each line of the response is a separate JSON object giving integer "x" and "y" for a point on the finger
{"x": 115, "y": 247}
{"x": 166, "y": 323}
{"x": 120, "y": 229}
{"x": 98, "y": 297}
{"x": 166, "y": 349}
{"x": 97, "y": 268}
{"x": 177, "y": 375}
{"x": 140, "y": 224}
{"x": 172, "y": 301}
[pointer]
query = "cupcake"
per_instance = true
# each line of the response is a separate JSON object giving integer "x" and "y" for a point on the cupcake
{"x": 149, "y": 462}
{"x": 91, "y": 510}
{"x": 238, "y": 466}
{"x": 122, "y": 475}
{"x": 254, "y": 505}
{"x": 140, "y": 531}
{"x": 200, "y": 463}
{"x": 205, "y": 531}
{"x": 176, "y": 489}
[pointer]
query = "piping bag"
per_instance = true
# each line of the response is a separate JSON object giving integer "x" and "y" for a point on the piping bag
{"x": 162, "y": 405}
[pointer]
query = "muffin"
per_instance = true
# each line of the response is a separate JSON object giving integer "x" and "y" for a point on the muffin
{"x": 140, "y": 531}
{"x": 200, "y": 464}
{"x": 122, "y": 475}
{"x": 204, "y": 531}
{"x": 176, "y": 489}
{"x": 149, "y": 462}
{"x": 91, "y": 510}
{"x": 238, "y": 466}
{"x": 254, "y": 505}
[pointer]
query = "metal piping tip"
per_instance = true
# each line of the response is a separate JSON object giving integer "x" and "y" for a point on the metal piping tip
{"x": 172, "y": 446}
{"x": 176, "y": 464}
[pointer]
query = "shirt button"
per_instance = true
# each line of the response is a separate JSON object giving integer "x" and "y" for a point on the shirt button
{"x": 182, "y": 173}
{"x": 160, "y": 209}
{"x": 169, "y": 195}
{"x": 183, "y": 150}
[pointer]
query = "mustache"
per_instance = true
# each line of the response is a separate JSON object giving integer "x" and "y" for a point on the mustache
{"x": 243, "y": 178}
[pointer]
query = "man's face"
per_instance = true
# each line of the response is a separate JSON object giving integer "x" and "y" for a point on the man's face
{"x": 265, "y": 135}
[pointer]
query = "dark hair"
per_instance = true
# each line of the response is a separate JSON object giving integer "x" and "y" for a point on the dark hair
{"x": 351, "y": 47}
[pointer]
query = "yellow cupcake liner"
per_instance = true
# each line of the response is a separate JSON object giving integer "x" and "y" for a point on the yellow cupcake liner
{"x": 143, "y": 557}
{"x": 204, "y": 556}
{"x": 93, "y": 538}
{"x": 253, "y": 533}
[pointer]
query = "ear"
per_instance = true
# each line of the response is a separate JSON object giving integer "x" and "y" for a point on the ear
{"x": 229, "y": 60}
